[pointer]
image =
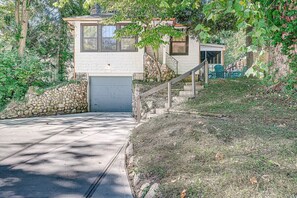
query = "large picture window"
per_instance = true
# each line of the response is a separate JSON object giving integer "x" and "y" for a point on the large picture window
{"x": 179, "y": 46}
{"x": 100, "y": 38}
{"x": 89, "y": 38}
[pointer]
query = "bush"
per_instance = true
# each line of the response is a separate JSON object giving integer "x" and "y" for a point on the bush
{"x": 18, "y": 74}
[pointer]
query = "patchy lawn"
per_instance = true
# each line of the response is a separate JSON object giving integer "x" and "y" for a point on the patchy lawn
{"x": 249, "y": 152}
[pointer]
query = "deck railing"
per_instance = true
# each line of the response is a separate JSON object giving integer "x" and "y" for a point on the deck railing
{"x": 172, "y": 63}
{"x": 168, "y": 85}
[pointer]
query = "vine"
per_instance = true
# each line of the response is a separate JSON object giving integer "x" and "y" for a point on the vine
{"x": 283, "y": 14}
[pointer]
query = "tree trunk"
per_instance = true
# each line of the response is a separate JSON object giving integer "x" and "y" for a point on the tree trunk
{"x": 249, "y": 55}
{"x": 24, "y": 26}
{"x": 157, "y": 65}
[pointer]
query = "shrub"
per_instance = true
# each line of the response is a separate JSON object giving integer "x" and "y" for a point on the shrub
{"x": 18, "y": 74}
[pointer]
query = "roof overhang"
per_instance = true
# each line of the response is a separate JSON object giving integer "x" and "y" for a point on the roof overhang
{"x": 99, "y": 18}
{"x": 91, "y": 19}
{"x": 212, "y": 47}
{"x": 94, "y": 17}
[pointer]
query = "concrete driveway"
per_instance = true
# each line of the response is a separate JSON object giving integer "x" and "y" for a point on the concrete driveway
{"x": 65, "y": 156}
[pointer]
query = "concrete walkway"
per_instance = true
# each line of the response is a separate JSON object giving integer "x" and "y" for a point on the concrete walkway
{"x": 65, "y": 156}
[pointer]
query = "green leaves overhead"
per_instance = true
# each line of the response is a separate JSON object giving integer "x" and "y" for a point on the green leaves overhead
{"x": 164, "y": 4}
{"x": 142, "y": 14}
{"x": 48, "y": 46}
{"x": 273, "y": 21}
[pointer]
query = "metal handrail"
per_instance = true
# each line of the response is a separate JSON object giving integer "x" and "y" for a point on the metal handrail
{"x": 172, "y": 57}
{"x": 174, "y": 60}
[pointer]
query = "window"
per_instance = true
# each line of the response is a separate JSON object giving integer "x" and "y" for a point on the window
{"x": 89, "y": 38}
{"x": 128, "y": 43}
{"x": 109, "y": 43}
{"x": 100, "y": 38}
{"x": 179, "y": 46}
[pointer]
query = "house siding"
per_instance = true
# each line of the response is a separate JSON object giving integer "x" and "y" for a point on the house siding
{"x": 188, "y": 62}
{"x": 106, "y": 63}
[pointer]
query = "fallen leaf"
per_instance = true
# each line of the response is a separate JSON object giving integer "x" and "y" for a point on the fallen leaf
{"x": 183, "y": 194}
{"x": 253, "y": 180}
{"x": 219, "y": 156}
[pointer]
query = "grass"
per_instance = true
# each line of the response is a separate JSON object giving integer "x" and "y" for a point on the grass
{"x": 252, "y": 152}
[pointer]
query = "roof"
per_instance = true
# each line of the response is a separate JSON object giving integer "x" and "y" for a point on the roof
{"x": 209, "y": 45}
{"x": 103, "y": 16}
{"x": 89, "y": 17}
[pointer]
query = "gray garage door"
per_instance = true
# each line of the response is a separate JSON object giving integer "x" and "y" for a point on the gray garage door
{"x": 111, "y": 94}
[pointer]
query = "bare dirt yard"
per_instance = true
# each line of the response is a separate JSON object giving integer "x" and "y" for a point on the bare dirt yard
{"x": 241, "y": 142}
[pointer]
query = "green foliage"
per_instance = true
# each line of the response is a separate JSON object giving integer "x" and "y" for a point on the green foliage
{"x": 234, "y": 42}
{"x": 17, "y": 75}
{"x": 7, "y": 26}
{"x": 151, "y": 36}
{"x": 48, "y": 47}
{"x": 141, "y": 14}
{"x": 50, "y": 37}
{"x": 281, "y": 16}
{"x": 273, "y": 22}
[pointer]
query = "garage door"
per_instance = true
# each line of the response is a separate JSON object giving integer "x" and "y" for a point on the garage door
{"x": 111, "y": 94}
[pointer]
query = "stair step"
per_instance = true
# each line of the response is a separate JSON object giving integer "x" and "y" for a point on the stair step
{"x": 160, "y": 111}
{"x": 186, "y": 93}
{"x": 190, "y": 83}
{"x": 177, "y": 100}
{"x": 189, "y": 87}
{"x": 150, "y": 116}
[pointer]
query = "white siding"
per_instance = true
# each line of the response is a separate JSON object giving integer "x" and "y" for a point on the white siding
{"x": 188, "y": 62}
{"x": 97, "y": 63}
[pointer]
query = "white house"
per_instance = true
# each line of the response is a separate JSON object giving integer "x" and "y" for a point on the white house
{"x": 111, "y": 65}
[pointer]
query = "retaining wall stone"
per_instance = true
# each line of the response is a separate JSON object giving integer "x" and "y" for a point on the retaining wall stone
{"x": 67, "y": 99}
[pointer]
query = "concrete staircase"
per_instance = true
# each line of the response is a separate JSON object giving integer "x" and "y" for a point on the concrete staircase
{"x": 184, "y": 95}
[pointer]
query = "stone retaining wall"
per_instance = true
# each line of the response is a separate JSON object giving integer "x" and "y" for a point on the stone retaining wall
{"x": 70, "y": 98}
{"x": 151, "y": 70}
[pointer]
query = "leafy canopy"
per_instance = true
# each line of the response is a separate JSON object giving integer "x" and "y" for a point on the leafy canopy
{"x": 274, "y": 22}
{"x": 141, "y": 13}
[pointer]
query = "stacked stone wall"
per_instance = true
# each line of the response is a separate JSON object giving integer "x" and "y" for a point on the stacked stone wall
{"x": 67, "y": 99}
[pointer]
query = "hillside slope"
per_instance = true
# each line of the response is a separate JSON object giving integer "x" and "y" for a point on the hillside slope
{"x": 243, "y": 144}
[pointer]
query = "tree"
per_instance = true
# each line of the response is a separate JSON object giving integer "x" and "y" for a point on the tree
{"x": 7, "y": 27}
{"x": 240, "y": 12}
{"x": 267, "y": 22}
{"x": 21, "y": 20}
{"x": 34, "y": 44}
{"x": 49, "y": 34}
{"x": 148, "y": 19}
